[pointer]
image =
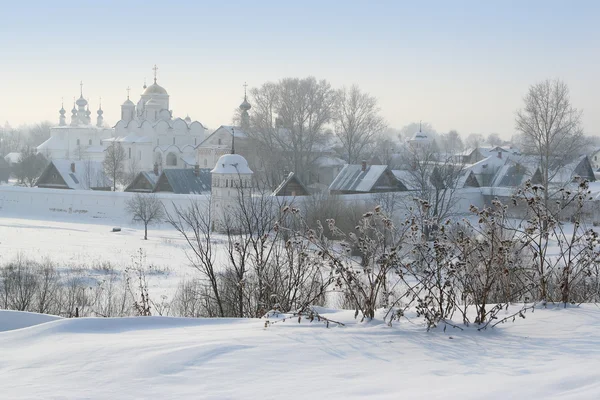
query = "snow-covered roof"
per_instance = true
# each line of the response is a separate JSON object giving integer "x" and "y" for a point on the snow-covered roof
{"x": 406, "y": 177}
{"x": 185, "y": 181}
{"x": 189, "y": 159}
{"x": 132, "y": 138}
{"x": 280, "y": 190}
{"x": 86, "y": 175}
{"x": 353, "y": 178}
{"x": 13, "y": 157}
{"x": 231, "y": 164}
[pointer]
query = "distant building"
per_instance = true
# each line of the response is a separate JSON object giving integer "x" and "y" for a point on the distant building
{"x": 363, "y": 178}
{"x": 144, "y": 182}
{"x": 231, "y": 184}
{"x": 75, "y": 175}
{"x": 184, "y": 181}
{"x": 291, "y": 186}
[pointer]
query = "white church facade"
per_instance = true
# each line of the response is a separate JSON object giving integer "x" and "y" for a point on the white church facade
{"x": 147, "y": 131}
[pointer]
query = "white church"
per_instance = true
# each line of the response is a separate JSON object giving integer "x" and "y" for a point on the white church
{"x": 147, "y": 131}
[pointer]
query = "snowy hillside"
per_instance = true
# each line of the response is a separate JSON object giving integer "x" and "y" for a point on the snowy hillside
{"x": 552, "y": 354}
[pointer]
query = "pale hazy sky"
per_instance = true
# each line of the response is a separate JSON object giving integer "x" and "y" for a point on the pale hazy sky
{"x": 461, "y": 65}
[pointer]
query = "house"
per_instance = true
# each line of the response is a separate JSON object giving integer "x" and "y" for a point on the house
{"x": 594, "y": 157}
{"x": 511, "y": 174}
{"x": 184, "y": 181}
{"x": 144, "y": 182}
{"x": 75, "y": 175}
{"x": 565, "y": 174}
{"x": 291, "y": 186}
{"x": 4, "y": 170}
{"x": 363, "y": 178}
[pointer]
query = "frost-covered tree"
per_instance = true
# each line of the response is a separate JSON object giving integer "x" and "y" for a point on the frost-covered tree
{"x": 550, "y": 127}
{"x": 113, "y": 163}
{"x": 357, "y": 123}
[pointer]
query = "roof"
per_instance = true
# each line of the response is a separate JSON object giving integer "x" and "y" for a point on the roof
{"x": 132, "y": 138}
{"x": 185, "y": 181}
{"x": 511, "y": 174}
{"x": 232, "y": 164}
{"x": 87, "y": 175}
{"x": 150, "y": 176}
{"x": 352, "y": 178}
{"x": 406, "y": 177}
{"x": 13, "y": 157}
{"x": 189, "y": 159}
{"x": 280, "y": 190}
{"x": 155, "y": 88}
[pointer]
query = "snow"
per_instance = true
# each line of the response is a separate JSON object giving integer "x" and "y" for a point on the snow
{"x": 553, "y": 354}
{"x": 11, "y": 320}
{"x": 231, "y": 164}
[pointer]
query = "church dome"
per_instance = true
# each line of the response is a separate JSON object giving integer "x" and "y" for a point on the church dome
{"x": 128, "y": 103}
{"x": 152, "y": 102}
{"x": 155, "y": 88}
{"x": 245, "y": 106}
{"x": 81, "y": 102}
{"x": 232, "y": 164}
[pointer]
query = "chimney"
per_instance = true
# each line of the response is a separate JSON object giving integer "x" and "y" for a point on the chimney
{"x": 364, "y": 165}
{"x": 499, "y": 154}
{"x": 156, "y": 169}
{"x": 197, "y": 170}
{"x": 73, "y": 167}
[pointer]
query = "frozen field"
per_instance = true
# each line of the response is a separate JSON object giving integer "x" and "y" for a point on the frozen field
{"x": 88, "y": 243}
{"x": 553, "y": 354}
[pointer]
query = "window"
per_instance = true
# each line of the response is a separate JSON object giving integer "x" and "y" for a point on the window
{"x": 173, "y": 140}
{"x": 90, "y": 142}
{"x": 139, "y": 154}
{"x": 195, "y": 141}
{"x": 157, "y": 142}
{"x": 171, "y": 160}
{"x": 205, "y": 162}
{"x": 77, "y": 142}
{"x": 129, "y": 152}
{"x": 219, "y": 141}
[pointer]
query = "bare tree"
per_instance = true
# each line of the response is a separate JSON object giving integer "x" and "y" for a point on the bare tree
{"x": 550, "y": 127}
{"x": 452, "y": 142}
{"x": 357, "y": 122}
{"x": 289, "y": 122}
{"x": 493, "y": 139}
{"x": 474, "y": 140}
{"x": 146, "y": 208}
{"x": 113, "y": 162}
{"x": 195, "y": 224}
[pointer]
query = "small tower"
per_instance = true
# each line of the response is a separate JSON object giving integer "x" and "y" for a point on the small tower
{"x": 74, "y": 114}
{"x": 127, "y": 108}
{"x": 231, "y": 185}
{"x": 88, "y": 113}
{"x": 100, "y": 118}
{"x": 245, "y": 107}
{"x": 62, "y": 120}
{"x": 82, "y": 113}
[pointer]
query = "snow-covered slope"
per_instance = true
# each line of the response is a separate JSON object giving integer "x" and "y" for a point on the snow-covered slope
{"x": 554, "y": 353}
{"x": 11, "y": 320}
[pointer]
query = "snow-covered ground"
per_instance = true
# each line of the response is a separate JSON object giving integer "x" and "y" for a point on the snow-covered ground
{"x": 553, "y": 354}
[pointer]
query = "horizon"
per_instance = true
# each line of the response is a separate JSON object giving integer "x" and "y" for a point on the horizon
{"x": 463, "y": 67}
